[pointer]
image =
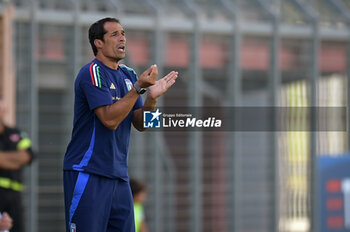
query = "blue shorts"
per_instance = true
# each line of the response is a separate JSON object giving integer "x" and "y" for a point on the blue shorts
{"x": 97, "y": 203}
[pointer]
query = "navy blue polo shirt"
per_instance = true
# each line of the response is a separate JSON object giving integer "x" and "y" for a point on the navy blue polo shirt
{"x": 94, "y": 148}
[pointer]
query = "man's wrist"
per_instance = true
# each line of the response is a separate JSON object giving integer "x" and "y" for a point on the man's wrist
{"x": 139, "y": 89}
{"x": 141, "y": 83}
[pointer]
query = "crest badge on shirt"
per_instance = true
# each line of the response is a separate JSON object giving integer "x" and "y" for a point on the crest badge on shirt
{"x": 73, "y": 227}
{"x": 15, "y": 137}
{"x": 129, "y": 84}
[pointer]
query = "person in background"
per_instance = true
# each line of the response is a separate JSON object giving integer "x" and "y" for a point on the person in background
{"x": 15, "y": 153}
{"x": 139, "y": 193}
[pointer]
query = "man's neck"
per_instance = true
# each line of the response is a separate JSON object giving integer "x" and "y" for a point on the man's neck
{"x": 108, "y": 62}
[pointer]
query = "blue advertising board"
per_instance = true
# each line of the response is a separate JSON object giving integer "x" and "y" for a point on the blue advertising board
{"x": 334, "y": 189}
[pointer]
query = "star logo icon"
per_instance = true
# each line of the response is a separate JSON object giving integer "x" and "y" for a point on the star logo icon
{"x": 151, "y": 119}
{"x": 156, "y": 115}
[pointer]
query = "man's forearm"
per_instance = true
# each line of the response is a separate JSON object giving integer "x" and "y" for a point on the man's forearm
{"x": 112, "y": 115}
{"x": 7, "y": 164}
{"x": 150, "y": 103}
{"x": 137, "y": 120}
{"x": 14, "y": 160}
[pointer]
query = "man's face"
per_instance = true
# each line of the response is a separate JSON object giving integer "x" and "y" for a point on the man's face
{"x": 114, "y": 41}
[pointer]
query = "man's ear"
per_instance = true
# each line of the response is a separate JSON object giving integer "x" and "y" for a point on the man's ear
{"x": 98, "y": 43}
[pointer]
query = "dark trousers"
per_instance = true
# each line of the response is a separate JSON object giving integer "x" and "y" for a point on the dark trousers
{"x": 11, "y": 202}
{"x": 97, "y": 204}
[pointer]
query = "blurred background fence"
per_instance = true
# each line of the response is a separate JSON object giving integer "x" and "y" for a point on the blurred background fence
{"x": 259, "y": 53}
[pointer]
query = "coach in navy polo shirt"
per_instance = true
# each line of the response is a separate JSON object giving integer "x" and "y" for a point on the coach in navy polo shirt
{"x": 107, "y": 101}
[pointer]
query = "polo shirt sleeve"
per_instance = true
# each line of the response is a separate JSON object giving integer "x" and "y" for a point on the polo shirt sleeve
{"x": 24, "y": 143}
{"x": 95, "y": 87}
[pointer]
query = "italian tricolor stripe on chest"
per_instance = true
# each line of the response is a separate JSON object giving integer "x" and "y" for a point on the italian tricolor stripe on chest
{"x": 95, "y": 74}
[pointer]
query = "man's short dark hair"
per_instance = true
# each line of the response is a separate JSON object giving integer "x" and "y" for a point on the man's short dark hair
{"x": 97, "y": 31}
